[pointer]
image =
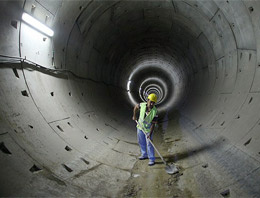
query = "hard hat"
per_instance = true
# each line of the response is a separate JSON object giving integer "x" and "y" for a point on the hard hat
{"x": 152, "y": 97}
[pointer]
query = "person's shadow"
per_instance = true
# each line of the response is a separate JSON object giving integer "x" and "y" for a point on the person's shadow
{"x": 190, "y": 152}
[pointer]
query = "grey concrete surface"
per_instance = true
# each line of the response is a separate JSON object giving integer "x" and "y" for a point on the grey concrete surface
{"x": 66, "y": 102}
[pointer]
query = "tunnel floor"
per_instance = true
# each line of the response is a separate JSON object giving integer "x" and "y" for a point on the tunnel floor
{"x": 153, "y": 181}
{"x": 176, "y": 147}
{"x": 196, "y": 176}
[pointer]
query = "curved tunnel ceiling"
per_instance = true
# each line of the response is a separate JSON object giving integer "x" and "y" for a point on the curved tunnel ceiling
{"x": 136, "y": 40}
{"x": 66, "y": 101}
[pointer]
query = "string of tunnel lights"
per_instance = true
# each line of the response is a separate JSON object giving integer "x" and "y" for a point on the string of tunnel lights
{"x": 155, "y": 74}
{"x": 153, "y": 85}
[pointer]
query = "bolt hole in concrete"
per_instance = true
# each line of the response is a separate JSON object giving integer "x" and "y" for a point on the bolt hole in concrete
{"x": 250, "y": 100}
{"x": 30, "y": 126}
{"x": 225, "y": 193}
{"x": 60, "y": 128}
{"x": 67, "y": 168}
{"x": 247, "y": 142}
{"x": 69, "y": 93}
{"x": 69, "y": 124}
{"x": 14, "y": 24}
{"x": 205, "y": 165}
{"x": 67, "y": 148}
{"x": 24, "y": 93}
{"x": 35, "y": 168}
{"x": 4, "y": 149}
{"x": 16, "y": 73}
{"x": 86, "y": 137}
{"x": 251, "y": 9}
{"x": 85, "y": 161}
{"x": 52, "y": 93}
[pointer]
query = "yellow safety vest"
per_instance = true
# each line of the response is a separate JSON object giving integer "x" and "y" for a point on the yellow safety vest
{"x": 146, "y": 122}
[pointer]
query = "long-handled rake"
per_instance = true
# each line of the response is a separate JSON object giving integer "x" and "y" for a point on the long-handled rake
{"x": 170, "y": 169}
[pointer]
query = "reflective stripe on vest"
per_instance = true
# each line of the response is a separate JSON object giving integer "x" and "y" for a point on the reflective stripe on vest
{"x": 146, "y": 122}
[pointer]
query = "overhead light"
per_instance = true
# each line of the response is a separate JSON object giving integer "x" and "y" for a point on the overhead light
{"x": 37, "y": 24}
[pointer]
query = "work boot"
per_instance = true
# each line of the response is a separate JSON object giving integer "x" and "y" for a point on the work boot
{"x": 142, "y": 158}
{"x": 151, "y": 163}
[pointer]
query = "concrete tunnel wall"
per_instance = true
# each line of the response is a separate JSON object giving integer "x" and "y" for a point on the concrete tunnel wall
{"x": 76, "y": 127}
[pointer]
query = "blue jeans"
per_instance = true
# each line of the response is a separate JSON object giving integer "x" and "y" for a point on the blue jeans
{"x": 147, "y": 149}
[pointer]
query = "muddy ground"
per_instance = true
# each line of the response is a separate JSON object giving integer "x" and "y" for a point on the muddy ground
{"x": 153, "y": 181}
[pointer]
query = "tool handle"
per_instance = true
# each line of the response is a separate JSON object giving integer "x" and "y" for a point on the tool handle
{"x": 152, "y": 144}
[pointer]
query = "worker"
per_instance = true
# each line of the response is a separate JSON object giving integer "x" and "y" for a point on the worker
{"x": 147, "y": 119}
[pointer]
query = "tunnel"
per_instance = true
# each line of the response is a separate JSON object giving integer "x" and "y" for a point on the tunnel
{"x": 67, "y": 100}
